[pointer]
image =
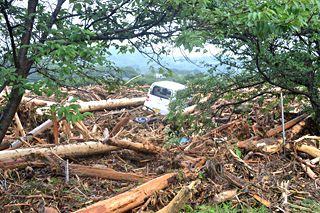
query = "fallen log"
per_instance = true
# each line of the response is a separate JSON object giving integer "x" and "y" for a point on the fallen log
{"x": 77, "y": 169}
{"x": 101, "y": 105}
{"x": 287, "y": 125}
{"x": 110, "y": 104}
{"x": 20, "y": 163}
{"x": 130, "y": 199}
{"x": 178, "y": 202}
{"x": 140, "y": 147}
{"x": 102, "y": 172}
{"x": 69, "y": 150}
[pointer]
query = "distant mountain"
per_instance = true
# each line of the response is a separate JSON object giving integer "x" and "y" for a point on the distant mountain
{"x": 142, "y": 63}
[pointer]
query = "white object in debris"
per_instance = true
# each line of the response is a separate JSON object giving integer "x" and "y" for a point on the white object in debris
{"x": 160, "y": 94}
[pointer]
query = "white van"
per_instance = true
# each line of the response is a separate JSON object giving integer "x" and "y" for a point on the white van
{"x": 160, "y": 94}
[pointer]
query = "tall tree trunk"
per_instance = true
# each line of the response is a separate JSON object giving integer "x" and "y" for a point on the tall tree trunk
{"x": 22, "y": 65}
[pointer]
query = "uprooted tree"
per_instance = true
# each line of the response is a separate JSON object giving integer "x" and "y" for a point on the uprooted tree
{"x": 264, "y": 44}
{"x": 65, "y": 41}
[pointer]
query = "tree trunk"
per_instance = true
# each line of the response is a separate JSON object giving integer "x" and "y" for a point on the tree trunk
{"x": 9, "y": 111}
{"x": 22, "y": 65}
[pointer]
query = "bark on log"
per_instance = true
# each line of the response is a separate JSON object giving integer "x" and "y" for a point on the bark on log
{"x": 78, "y": 149}
{"x": 90, "y": 171}
{"x": 130, "y": 199}
{"x": 140, "y": 147}
{"x": 287, "y": 125}
{"x": 177, "y": 203}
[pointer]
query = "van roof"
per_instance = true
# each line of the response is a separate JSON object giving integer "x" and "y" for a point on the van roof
{"x": 170, "y": 85}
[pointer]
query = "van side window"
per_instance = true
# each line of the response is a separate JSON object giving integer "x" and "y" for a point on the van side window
{"x": 161, "y": 92}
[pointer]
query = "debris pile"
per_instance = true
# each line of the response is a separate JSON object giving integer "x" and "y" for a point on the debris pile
{"x": 119, "y": 159}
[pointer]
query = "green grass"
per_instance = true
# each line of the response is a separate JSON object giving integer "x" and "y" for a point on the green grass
{"x": 224, "y": 207}
{"x": 307, "y": 205}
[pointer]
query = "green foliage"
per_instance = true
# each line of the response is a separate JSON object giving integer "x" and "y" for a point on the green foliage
{"x": 70, "y": 112}
{"x": 238, "y": 152}
{"x": 263, "y": 44}
{"x": 171, "y": 139}
{"x": 309, "y": 205}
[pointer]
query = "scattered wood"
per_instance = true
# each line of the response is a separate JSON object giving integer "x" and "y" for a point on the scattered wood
{"x": 140, "y": 147}
{"x": 287, "y": 125}
{"x": 130, "y": 199}
{"x": 256, "y": 174}
{"x": 179, "y": 201}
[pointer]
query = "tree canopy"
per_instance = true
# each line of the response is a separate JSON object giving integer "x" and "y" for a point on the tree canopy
{"x": 264, "y": 44}
{"x": 57, "y": 39}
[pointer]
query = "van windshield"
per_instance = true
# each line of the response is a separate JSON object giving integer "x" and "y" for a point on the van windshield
{"x": 161, "y": 92}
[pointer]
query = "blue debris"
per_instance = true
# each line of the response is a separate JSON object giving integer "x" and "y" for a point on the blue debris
{"x": 141, "y": 120}
{"x": 184, "y": 140}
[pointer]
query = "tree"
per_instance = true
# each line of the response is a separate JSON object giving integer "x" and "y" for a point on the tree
{"x": 264, "y": 44}
{"x": 62, "y": 39}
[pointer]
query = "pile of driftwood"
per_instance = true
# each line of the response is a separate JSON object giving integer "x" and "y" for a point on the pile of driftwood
{"x": 110, "y": 163}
